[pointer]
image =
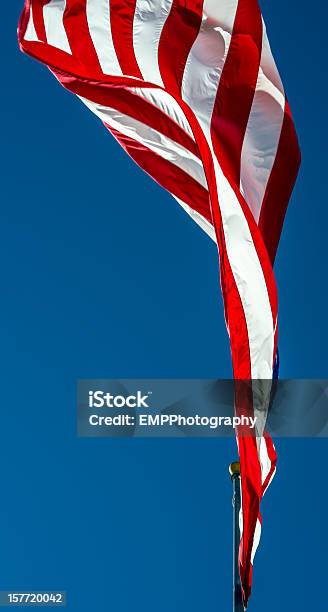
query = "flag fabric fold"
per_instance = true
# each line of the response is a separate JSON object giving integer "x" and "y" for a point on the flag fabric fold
{"x": 190, "y": 89}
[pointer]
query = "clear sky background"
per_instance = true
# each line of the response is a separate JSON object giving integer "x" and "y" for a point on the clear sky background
{"x": 104, "y": 276}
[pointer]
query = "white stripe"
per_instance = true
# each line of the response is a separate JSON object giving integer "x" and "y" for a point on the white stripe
{"x": 265, "y": 461}
{"x": 257, "y": 532}
{"x": 223, "y": 12}
{"x": 261, "y": 390}
{"x": 256, "y": 541}
{"x": 264, "y": 458}
{"x": 53, "y": 22}
{"x": 155, "y": 141}
{"x": 247, "y": 272}
{"x": 249, "y": 278}
{"x": 263, "y": 131}
{"x": 30, "y": 33}
{"x": 98, "y": 17}
{"x": 164, "y": 102}
{"x": 207, "y": 57}
{"x": 268, "y": 64}
{"x": 149, "y": 19}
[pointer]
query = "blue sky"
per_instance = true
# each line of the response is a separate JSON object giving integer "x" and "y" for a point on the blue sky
{"x": 104, "y": 276}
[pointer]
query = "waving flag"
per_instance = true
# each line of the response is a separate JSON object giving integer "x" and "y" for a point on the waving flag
{"x": 190, "y": 90}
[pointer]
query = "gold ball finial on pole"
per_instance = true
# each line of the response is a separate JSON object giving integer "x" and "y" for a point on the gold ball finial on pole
{"x": 234, "y": 469}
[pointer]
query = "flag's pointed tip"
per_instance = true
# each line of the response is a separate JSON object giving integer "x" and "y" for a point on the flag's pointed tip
{"x": 234, "y": 469}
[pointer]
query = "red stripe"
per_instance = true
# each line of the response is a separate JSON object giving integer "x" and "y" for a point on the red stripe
{"x": 23, "y": 20}
{"x": 77, "y": 30}
{"x": 252, "y": 493}
{"x": 121, "y": 19}
{"x": 178, "y": 35}
{"x": 37, "y": 8}
{"x": 273, "y": 458}
{"x": 237, "y": 86}
{"x": 251, "y": 483}
{"x": 280, "y": 185}
{"x": 167, "y": 174}
{"x": 230, "y": 118}
{"x": 262, "y": 254}
{"x": 251, "y": 497}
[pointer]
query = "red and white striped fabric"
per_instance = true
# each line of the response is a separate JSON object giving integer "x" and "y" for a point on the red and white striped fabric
{"x": 190, "y": 90}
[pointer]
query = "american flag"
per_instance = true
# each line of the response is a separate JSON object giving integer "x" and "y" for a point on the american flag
{"x": 190, "y": 90}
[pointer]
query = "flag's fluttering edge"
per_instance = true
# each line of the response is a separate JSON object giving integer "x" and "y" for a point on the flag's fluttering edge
{"x": 190, "y": 90}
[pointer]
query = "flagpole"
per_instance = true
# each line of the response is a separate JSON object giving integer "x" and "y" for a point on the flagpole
{"x": 234, "y": 470}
